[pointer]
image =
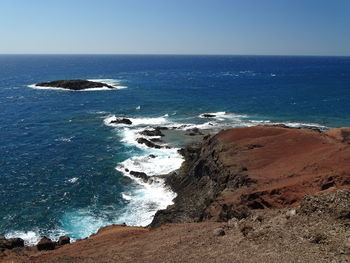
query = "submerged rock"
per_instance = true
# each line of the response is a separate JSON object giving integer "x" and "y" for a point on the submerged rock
{"x": 74, "y": 84}
{"x": 193, "y": 132}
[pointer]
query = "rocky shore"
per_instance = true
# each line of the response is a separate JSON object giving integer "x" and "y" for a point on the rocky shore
{"x": 257, "y": 194}
{"x": 237, "y": 170}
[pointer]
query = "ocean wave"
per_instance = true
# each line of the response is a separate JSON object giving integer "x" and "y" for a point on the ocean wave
{"x": 163, "y": 161}
{"x": 137, "y": 121}
{"x": 29, "y": 237}
{"x": 221, "y": 115}
{"x": 144, "y": 202}
{"x": 33, "y": 237}
{"x": 83, "y": 222}
{"x": 115, "y": 83}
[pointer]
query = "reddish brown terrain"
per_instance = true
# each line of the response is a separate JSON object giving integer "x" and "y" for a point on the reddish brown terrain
{"x": 285, "y": 164}
{"x": 258, "y": 194}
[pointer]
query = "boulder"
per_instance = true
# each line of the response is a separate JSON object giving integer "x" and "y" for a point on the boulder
{"x": 63, "y": 240}
{"x": 11, "y": 243}
{"x": 46, "y": 244}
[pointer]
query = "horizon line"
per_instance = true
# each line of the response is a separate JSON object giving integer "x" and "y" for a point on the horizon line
{"x": 163, "y": 54}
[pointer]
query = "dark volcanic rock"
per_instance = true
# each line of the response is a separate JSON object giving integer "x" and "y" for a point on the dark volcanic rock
{"x": 206, "y": 115}
{"x": 46, "y": 244}
{"x": 148, "y": 143}
{"x": 74, "y": 84}
{"x": 155, "y": 132}
{"x": 140, "y": 175}
{"x": 11, "y": 243}
{"x": 63, "y": 240}
{"x": 121, "y": 121}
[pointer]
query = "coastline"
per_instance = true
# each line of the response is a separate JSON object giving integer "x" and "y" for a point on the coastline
{"x": 217, "y": 190}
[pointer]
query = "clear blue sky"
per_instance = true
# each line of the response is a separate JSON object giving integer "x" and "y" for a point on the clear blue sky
{"x": 290, "y": 27}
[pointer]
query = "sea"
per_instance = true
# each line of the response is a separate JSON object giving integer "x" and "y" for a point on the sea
{"x": 64, "y": 166}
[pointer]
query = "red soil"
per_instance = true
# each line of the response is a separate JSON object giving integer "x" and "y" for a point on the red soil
{"x": 286, "y": 163}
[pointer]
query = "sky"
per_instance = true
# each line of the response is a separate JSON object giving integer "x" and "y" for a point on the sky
{"x": 238, "y": 27}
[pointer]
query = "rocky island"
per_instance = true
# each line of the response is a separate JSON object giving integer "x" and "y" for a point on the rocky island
{"x": 74, "y": 84}
{"x": 257, "y": 194}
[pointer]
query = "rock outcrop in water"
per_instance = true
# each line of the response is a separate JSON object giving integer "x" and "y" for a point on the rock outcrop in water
{"x": 74, "y": 84}
{"x": 121, "y": 121}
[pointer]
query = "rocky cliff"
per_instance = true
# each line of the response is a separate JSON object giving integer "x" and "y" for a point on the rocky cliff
{"x": 237, "y": 170}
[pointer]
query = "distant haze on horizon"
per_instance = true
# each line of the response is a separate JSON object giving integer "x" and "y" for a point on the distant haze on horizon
{"x": 239, "y": 27}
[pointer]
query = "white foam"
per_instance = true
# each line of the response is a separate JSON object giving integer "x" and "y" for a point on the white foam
{"x": 29, "y": 237}
{"x": 64, "y": 139}
{"x": 73, "y": 180}
{"x": 115, "y": 83}
{"x": 137, "y": 121}
{"x": 222, "y": 115}
{"x": 144, "y": 202}
{"x": 166, "y": 161}
{"x": 126, "y": 197}
{"x": 231, "y": 120}
{"x": 146, "y": 198}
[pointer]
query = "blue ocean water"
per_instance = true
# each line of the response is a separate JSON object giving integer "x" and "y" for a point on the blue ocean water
{"x": 62, "y": 169}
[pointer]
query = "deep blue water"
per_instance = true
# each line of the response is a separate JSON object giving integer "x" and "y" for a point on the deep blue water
{"x": 58, "y": 158}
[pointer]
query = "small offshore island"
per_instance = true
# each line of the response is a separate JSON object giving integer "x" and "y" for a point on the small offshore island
{"x": 254, "y": 194}
{"x": 75, "y": 84}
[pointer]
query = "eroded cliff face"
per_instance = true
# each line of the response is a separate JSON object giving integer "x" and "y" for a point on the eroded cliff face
{"x": 237, "y": 170}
